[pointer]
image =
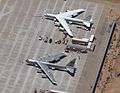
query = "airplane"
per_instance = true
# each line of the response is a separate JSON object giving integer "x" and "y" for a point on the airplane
{"x": 62, "y": 19}
{"x": 44, "y": 68}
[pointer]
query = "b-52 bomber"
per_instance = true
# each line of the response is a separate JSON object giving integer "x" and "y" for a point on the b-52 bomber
{"x": 46, "y": 63}
{"x": 62, "y": 19}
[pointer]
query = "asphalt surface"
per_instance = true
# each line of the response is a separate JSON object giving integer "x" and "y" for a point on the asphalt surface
{"x": 19, "y": 40}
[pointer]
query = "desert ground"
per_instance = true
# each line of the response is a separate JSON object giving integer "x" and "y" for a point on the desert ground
{"x": 109, "y": 80}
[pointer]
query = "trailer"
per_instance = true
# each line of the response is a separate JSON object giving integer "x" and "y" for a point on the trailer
{"x": 83, "y": 41}
{"x": 57, "y": 91}
{"x": 92, "y": 37}
{"x": 76, "y": 48}
{"x": 91, "y": 46}
{"x": 80, "y": 48}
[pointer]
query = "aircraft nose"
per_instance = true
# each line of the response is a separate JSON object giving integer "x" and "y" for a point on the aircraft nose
{"x": 46, "y": 14}
{"x": 27, "y": 60}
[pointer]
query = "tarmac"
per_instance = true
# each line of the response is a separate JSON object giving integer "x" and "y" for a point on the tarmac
{"x": 19, "y": 40}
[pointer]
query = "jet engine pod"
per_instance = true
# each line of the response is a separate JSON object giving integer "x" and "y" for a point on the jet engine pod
{"x": 59, "y": 12}
{"x": 55, "y": 19}
{"x": 57, "y": 23}
{"x": 67, "y": 10}
{"x": 61, "y": 29}
{"x": 70, "y": 22}
{"x": 74, "y": 15}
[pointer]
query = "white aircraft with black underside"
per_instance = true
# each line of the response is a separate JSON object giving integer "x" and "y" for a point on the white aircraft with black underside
{"x": 62, "y": 19}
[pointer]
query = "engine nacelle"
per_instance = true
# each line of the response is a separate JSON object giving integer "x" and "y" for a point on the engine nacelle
{"x": 57, "y": 23}
{"x": 59, "y": 12}
{"x": 75, "y": 14}
{"x": 67, "y": 10}
{"x": 70, "y": 22}
{"x": 55, "y": 19}
{"x": 61, "y": 28}
{"x": 53, "y": 68}
{"x": 43, "y": 75}
{"x": 39, "y": 70}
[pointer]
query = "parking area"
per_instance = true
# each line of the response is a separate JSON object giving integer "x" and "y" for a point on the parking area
{"x": 19, "y": 40}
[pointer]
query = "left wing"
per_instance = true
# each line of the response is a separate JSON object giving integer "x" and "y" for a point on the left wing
{"x": 66, "y": 14}
{"x": 64, "y": 24}
{"x": 52, "y": 57}
{"x": 45, "y": 69}
{"x": 71, "y": 13}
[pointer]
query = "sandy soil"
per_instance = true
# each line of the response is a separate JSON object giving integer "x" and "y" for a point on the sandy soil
{"x": 112, "y": 1}
{"x": 106, "y": 1}
{"x": 109, "y": 81}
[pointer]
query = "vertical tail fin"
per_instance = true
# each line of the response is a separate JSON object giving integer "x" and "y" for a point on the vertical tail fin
{"x": 71, "y": 63}
{"x": 70, "y": 67}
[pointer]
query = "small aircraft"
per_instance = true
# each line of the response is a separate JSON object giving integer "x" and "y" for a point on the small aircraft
{"x": 62, "y": 19}
{"x": 44, "y": 68}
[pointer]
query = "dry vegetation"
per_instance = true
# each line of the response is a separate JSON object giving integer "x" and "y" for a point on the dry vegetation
{"x": 112, "y": 1}
{"x": 115, "y": 1}
{"x": 109, "y": 81}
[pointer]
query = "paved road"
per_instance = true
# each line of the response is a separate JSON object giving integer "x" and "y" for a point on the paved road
{"x": 19, "y": 33}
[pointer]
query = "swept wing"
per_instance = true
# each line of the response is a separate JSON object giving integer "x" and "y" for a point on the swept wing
{"x": 71, "y": 13}
{"x": 45, "y": 69}
{"x": 64, "y": 24}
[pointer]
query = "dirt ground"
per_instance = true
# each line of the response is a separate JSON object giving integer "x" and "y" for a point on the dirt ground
{"x": 114, "y": 1}
{"x": 109, "y": 81}
{"x": 111, "y": 1}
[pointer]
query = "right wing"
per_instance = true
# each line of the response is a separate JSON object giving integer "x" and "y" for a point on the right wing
{"x": 45, "y": 69}
{"x": 65, "y": 25}
{"x": 66, "y": 14}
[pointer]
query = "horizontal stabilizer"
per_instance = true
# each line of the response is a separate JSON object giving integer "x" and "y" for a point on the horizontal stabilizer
{"x": 88, "y": 18}
{"x": 87, "y": 24}
{"x": 87, "y": 21}
{"x": 71, "y": 70}
{"x": 70, "y": 67}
